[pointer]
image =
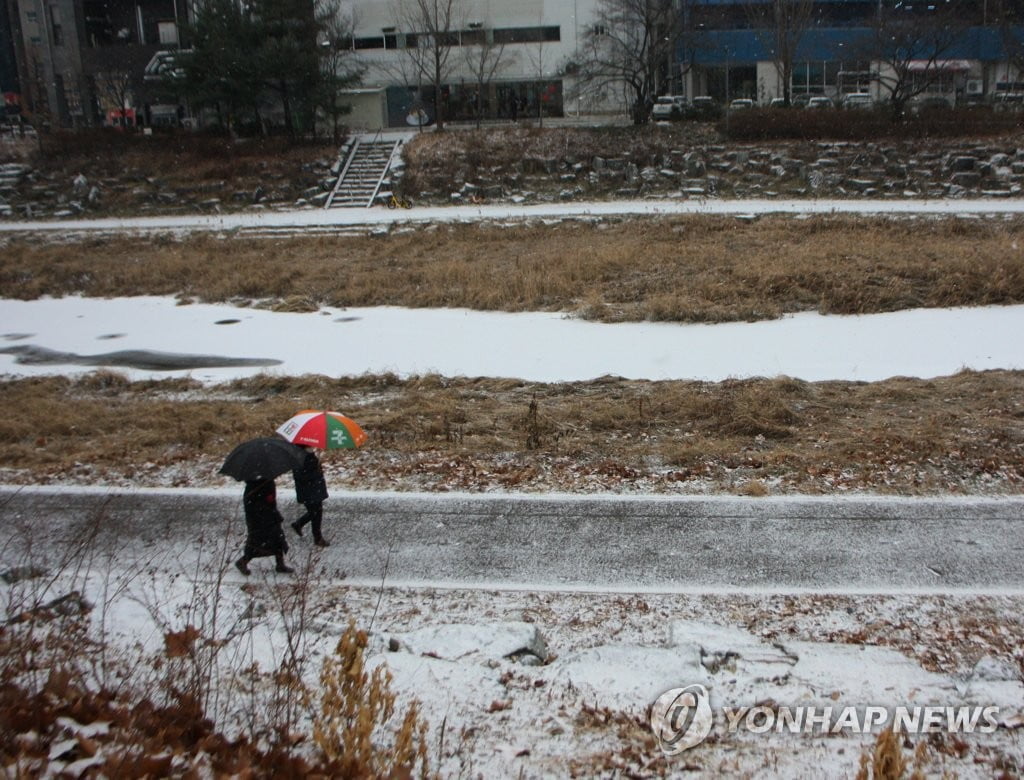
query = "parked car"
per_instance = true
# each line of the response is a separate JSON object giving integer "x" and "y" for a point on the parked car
{"x": 669, "y": 107}
{"x": 777, "y": 103}
{"x": 704, "y": 107}
{"x": 858, "y": 100}
{"x": 819, "y": 102}
{"x": 741, "y": 103}
{"x": 924, "y": 103}
{"x": 15, "y": 127}
{"x": 1008, "y": 101}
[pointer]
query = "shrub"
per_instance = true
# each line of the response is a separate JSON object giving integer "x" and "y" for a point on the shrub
{"x": 858, "y": 125}
{"x": 354, "y": 705}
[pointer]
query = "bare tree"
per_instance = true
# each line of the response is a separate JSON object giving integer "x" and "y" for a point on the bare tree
{"x": 910, "y": 46}
{"x": 484, "y": 59}
{"x": 338, "y": 67}
{"x": 781, "y": 25}
{"x": 114, "y": 90}
{"x": 537, "y": 63}
{"x": 407, "y": 70}
{"x": 629, "y": 45}
{"x": 432, "y": 30}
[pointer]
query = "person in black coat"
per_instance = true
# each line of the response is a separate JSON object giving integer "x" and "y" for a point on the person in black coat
{"x": 263, "y": 525}
{"x": 311, "y": 492}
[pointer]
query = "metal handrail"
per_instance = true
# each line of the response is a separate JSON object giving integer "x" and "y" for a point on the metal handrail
{"x": 383, "y": 173}
{"x": 341, "y": 175}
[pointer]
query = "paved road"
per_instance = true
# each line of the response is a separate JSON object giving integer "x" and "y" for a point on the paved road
{"x": 307, "y": 220}
{"x": 604, "y": 543}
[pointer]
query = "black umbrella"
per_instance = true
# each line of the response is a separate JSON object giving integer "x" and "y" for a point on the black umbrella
{"x": 264, "y": 458}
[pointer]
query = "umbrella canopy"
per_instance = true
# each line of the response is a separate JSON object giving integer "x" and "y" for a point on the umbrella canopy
{"x": 263, "y": 458}
{"x": 325, "y": 430}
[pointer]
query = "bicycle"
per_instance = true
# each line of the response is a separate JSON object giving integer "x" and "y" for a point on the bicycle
{"x": 396, "y": 202}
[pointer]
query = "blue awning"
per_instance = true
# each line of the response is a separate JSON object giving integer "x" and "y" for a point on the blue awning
{"x": 746, "y": 47}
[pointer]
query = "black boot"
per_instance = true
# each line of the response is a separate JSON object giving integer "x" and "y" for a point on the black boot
{"x": 281, "y": 567}
{"x": 317, "y": 522}
{"x": 242, "y": 564}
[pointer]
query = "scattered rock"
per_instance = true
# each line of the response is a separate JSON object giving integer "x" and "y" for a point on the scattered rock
{"x": 21, "y": 573}
{"x": 453, "y": 641}
{"x": 992, "y": 669}
{"x": 69, "y": 605}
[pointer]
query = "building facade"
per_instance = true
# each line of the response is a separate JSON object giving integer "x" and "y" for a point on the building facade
{"x": 502, "y": 60}
{"x": 74, "y": 63}
{"x": 81, "y": 63}
{"x": 964, "y": 56}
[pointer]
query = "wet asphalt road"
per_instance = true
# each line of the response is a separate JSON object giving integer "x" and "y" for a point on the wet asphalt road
{"x": 583, "y": 543}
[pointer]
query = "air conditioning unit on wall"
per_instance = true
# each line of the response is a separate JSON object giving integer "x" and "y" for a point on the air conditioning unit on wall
{"x": 975, "y": 87}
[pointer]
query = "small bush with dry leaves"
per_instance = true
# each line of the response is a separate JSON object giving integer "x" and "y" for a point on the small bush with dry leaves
{"x": 355, "y": 704}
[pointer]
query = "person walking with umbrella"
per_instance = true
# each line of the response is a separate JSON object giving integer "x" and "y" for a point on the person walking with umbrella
{"x": 257, "y": 463}
{"x": 328, "y": 431}
{"x": 263, "y": 523}
{"x": 311, "y": 492}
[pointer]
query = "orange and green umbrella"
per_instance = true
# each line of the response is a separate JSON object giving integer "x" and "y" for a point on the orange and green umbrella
{"x": 324, "y": 430}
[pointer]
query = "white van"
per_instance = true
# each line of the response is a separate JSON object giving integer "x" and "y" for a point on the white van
{"x": 858, "y": 100}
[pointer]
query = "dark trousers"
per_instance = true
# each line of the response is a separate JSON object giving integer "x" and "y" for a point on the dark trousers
{"x": 314, "y": 516}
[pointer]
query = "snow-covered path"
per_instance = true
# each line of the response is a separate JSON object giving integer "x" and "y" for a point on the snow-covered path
{"x": 613, "y": 543}
{"x": 299, "y": 220}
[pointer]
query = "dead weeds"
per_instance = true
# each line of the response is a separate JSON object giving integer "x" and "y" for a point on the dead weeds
{"x": 954, "y": 435}
{"x": 692, "y": 269}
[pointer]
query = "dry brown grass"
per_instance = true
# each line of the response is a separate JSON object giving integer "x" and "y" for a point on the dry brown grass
{"x": 355, "y": 705}
{"x": 185, "y": 157}
{"x": 885, "y": 761}
{"x": 958, "y": 434}
{"x": 699, "y": 269}
{"x": 60, "y": 674}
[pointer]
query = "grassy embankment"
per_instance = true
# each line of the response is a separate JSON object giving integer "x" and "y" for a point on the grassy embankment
{"x": 683, "y": 270}
{"x": 956, "y": 434}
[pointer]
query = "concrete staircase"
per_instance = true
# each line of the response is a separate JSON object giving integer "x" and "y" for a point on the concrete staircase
{"x": 361, "y": 175}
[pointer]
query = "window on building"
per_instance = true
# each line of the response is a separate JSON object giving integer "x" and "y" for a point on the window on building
{"x": 474, "y": 37}
{"x": 55, "y": 26}
{"x": 32, "y": 28}
{"x": 98, "y": 28}
{"x": 528, "y": 34}
{"x": 807, "y": 78}
{"x": 368, "y": 42}
{"x": 168, "y": 32}
{"x": 416, "y": 40}
{"x": 598, "y": 30}
{"x": 854, "y": 77}
{"x": 941, "y": 81}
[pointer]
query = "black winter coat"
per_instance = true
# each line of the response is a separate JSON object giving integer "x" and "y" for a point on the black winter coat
{"x": 310, "y": 485}
{"x": 262, "y": 520}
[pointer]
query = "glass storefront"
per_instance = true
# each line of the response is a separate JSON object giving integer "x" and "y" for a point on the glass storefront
{"x": 465, "y": 102}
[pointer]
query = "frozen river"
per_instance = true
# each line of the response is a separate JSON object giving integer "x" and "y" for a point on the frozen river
{"x": 153, "y": 336}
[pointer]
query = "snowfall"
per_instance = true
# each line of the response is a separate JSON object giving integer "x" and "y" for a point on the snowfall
{"x": 532, "y": 682}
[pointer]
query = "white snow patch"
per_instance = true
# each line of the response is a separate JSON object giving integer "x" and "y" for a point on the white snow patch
{"x": 544, "y": 347}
